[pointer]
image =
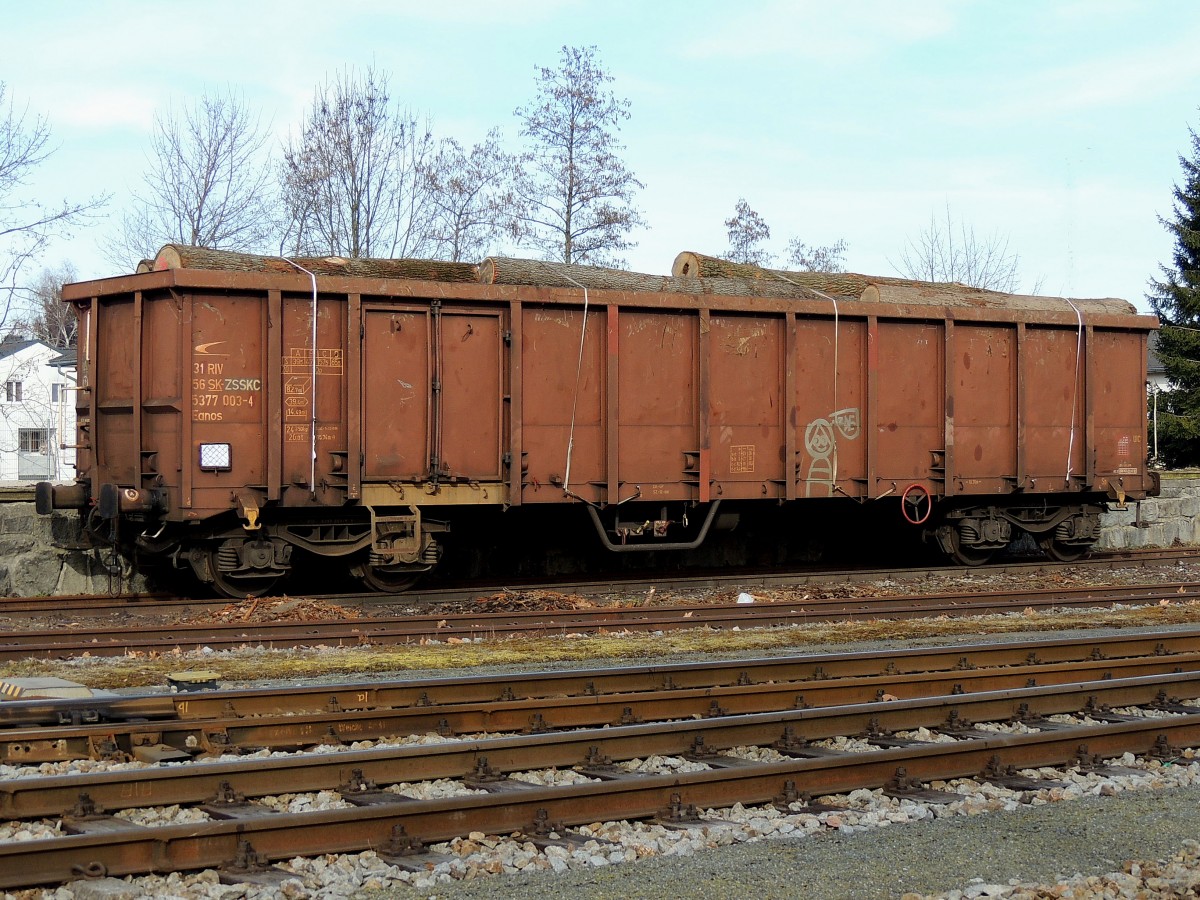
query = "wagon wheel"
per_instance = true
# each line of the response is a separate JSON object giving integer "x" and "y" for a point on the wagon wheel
{"x": 240, "y": 587}
{"x": 388, "y": 582}
{"x": 968, "y": 556}
{"x": 916, "y": 504}
{"x": 1062, "y": 552}
{"x": 385, "y": 581}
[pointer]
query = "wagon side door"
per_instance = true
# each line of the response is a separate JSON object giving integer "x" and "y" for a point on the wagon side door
{"x": 432, "y": 400}
{"x": 396, "y": 396}
{"x": 468, "y": 399}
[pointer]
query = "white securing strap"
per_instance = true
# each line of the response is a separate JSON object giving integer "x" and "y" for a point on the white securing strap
{"x": 578, "y": 378}
{"x": 1075, "y": 392}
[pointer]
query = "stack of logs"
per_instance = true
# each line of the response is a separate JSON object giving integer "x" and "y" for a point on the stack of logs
{"x": 691, "y": 273}
{"x": 180, "y": 256}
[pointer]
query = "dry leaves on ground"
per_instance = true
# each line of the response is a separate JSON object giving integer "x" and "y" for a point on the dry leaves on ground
{"x": 282, "y": 609}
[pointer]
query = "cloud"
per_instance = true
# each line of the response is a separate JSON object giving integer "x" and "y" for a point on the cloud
{"x": 101, "y": 108}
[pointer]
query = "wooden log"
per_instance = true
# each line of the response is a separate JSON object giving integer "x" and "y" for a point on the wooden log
{"x": 846, "y": 284}
{"x": 503, "y": 270}
{"x": 716, "y": 276}
{"x": 539, "y": 273}
{"x": 932, "y": 293}
{"x": 180, "y": 256}
{"x": 873, "y": 288}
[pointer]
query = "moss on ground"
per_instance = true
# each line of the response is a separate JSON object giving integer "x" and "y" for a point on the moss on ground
{"x": 535, "y": 651}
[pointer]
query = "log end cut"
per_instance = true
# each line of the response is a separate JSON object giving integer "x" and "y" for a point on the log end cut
{"x": 686, "y": 265}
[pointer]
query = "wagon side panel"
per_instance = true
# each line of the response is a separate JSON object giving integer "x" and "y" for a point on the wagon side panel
{"x": 747, "y": 405}
{"x": 1119, "y": 407}
{"x": 226, "y": 408}
{"x": 164, "y": 372}
{"x": 658, "y": 415}
{"x": 396, "y": 393}
{"x": 314, "y": 383}
{"x": 1053, "y": 372}
{"x": 830, "y": 394}
{"x": 115, "y": 383}
{"x": 983, "y": 385}
{"x": 909, "y": 412}
{"x": 563, "y": 403}
{"x": 469, "y": 379}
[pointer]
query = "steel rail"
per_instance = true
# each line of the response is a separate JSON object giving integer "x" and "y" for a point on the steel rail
{"x": 790, "y": 730}
{"x": 136, "y": 850}
{"x": 153, "y": 741}
{"x": 617, "y": 585}
{"x": 407, "y": 629}
{"x": 592, "y": 682}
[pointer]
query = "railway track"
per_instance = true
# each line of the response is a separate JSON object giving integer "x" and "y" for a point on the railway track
{"x": 615, "y": 587}
{"x": 1102, "y": 708}
{"x": 149, "y": 638}
{"x": 157, "y": 727}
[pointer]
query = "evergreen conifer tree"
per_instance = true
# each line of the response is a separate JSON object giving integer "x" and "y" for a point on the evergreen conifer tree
{"x": 1176, "y": 301}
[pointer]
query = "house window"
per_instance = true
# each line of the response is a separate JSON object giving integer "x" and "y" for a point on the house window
{"x": 12, "y": 391}
{"x": 33, "y": 440}
{"x": 55, "y": 392}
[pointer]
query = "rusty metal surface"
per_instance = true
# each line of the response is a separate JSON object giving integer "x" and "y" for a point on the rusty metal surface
{"x": 282, "y": 836}
{"x": 621, "y": 586}
{"x": 240, "y": 722}
{"x": 298, "y": 717}
{"x": 592, "y": 682}
{"x": 97, "y": 640}
{"x": 36, "y": 796}
{"x": 690, "y": 397}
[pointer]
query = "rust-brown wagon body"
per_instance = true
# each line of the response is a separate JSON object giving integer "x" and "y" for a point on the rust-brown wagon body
{"x": 229, "y": 418}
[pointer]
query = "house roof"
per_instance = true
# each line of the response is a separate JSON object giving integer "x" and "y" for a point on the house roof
{"x": 68, "y": 357}
{"x": 9, "y": 345}
{"x": 1154, "y": 365}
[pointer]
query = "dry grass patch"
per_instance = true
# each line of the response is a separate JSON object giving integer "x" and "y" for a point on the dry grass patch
{"x": 535, "y": 651}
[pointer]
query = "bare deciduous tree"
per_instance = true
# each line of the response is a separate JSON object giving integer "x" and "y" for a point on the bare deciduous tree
{"x": 747, "y": 232}
{"x": 46, "y": 318}
{"x": 355, "y": 182}
{"x": 208, "y": 183}
{"x": 804, "y": 258}
{"x": 574, "y": 193}
{"x": 951, "y": 251}
{"x": 472, "y": 197}
{"x": 27, "y": 224}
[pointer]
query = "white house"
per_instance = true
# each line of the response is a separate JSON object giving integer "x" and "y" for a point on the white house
{"x": 1156, "y": 373}
{"x": 37, "y": 412}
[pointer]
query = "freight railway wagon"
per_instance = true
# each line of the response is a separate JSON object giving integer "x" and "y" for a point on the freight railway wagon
{"x": 233, "y": 422}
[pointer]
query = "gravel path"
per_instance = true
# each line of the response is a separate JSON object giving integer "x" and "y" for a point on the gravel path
{"x": 946, "y": 857}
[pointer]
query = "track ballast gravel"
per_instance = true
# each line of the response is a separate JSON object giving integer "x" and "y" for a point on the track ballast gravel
{"x": 959, "y": 857}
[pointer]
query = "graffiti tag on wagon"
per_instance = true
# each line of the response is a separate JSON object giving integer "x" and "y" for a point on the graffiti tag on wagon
{"x": 820, "y": 441}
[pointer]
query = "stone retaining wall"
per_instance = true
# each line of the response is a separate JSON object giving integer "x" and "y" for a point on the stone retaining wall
{"x": 1161, "y": 521}
{"x": 32, "y": 566}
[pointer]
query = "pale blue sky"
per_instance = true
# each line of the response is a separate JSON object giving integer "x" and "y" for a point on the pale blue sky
{"x": 1056, "y": 124}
